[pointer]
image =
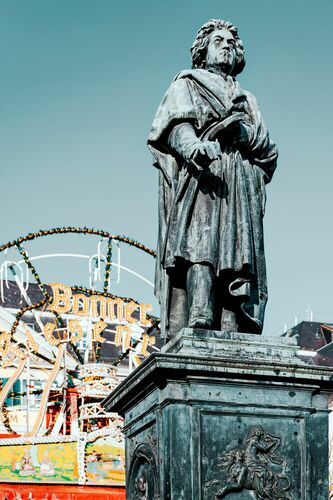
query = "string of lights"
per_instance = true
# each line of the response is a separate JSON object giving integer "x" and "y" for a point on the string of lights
{"x": 43, "y": 289}
{"x": 16, "y": 395}
{"x": 23, "y": 311}
{"x": 36, "y": 276}
{"x": 5, "y": 415}
{"x": 33, "y": 271}
{"x": 108, "y": 266}
{"x": 77, "y": 230}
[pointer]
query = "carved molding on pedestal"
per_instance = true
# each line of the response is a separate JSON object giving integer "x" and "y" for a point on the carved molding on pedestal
{"x": 142, "y": 476}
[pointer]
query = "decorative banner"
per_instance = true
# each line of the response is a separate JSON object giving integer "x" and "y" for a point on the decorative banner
{"x": 105, "y": 461}
{"x": 51, "y": 463}
{"x": 96, "y": 458}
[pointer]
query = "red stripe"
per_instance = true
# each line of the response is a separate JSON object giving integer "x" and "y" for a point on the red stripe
{"x": 60, "y": 492}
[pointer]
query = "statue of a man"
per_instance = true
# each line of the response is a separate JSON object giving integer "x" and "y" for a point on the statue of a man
{"x": 215, "y": 156}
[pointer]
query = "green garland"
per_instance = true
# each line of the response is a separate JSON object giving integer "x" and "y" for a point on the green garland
{"x": 77, "y": 230}
{"x": 33, "y": 271}
{"x": 5, "y": 416}
{"x": 108, "y": 266}
{"x": 21, "y": 394}
{"x": 45, "y": 293}
{"x": 5, "y": 419}
{"x": 26, "y": 309}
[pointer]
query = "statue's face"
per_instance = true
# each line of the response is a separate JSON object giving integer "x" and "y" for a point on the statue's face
{"x": 221, "y": 51}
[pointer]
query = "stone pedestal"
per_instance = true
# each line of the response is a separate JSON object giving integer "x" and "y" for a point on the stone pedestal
{"x": 230, "y": 416}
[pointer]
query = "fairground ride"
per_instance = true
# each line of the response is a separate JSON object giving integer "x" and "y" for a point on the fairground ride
{"x": 63, "y": 349}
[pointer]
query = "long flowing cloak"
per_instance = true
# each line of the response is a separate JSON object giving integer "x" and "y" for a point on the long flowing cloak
{"x": 214, "y": 215}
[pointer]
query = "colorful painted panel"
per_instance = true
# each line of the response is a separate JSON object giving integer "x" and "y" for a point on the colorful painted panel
{"x": 52, "y": 463}
{"x": 105, "y": 461}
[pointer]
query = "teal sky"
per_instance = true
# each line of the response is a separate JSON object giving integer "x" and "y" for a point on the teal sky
{"x": 80, "y": 83}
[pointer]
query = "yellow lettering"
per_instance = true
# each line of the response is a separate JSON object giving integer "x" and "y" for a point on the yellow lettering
{"x": 120, "y": 309}
{"x": 75, "y": 330}
{"x": 111, "y": 308}
{"x": 145, "y": 344}
{"x": 80, "y": 304}
{"x": 119, "y": 335}
{"x": 129, "y": 309}
{"x": 143, "y": 314}
{"x": 48, "y": 333}
{"x": 31, "y": 343}
{"x": 94, "y": 301}
{"x": 123, "y": 336}
{"x": 61, "y": 298}
{"x": 97, "y": 330}
{"x": 112, "y": 314}
{"x": 128, "y": 338}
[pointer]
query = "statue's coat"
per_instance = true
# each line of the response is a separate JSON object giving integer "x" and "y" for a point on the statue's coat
{"x": 214, "y": 215}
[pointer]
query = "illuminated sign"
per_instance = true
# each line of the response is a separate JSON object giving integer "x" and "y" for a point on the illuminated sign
{"x": 102, "y": 311}
{"x": 96, "y": 306}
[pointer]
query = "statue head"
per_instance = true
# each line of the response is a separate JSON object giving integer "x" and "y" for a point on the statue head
{"x": 230, "y": 53}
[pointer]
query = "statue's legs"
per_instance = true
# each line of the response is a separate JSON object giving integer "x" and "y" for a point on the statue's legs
{"x": 178, "y": 309}
{"x": 226, "y": 306}
{"x": 200, "y": 295}
{"x": 228, "y": 321}
{"x": 198, "y": 299}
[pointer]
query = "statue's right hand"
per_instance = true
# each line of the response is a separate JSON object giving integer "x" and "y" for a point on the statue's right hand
{"x": 205, "y": 152}
{"x": 184, "y": 141}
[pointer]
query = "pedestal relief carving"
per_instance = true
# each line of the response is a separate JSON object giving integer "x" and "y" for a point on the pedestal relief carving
{"x": 253, "y": 467}
{"x": 142, "y": 480}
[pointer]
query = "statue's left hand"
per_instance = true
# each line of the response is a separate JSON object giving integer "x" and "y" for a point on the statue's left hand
{"x": 240, "y": 105}
{"x": 240, "y": 132}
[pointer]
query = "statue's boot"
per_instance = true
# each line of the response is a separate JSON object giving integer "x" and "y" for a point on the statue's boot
{"x": 228, "y": 321}
{"x": 200, "y": 295}
{"x": 178, "y": 314}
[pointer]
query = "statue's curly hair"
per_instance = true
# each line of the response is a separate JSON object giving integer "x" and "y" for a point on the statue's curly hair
{"x": 200, "y": 44}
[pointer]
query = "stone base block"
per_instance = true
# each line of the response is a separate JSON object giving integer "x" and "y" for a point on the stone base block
{"x": 229, "y": 416}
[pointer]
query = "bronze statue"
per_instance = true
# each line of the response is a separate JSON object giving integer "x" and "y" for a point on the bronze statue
{"x": 215, "y": 156}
